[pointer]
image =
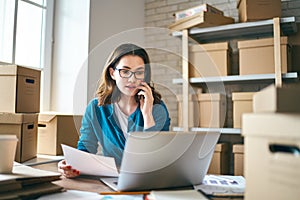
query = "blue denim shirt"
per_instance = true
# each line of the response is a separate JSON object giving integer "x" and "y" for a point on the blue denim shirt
{"x": 100, "y": 124}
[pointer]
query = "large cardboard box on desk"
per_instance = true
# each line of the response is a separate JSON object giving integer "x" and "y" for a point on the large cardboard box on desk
{"x": 238, "y": 152}
{"x": 24, "y": 126}
{"x": 272, "y": 161}
{"x": 212, "y": 110}
{"x": 20, "y": 89}
{"x": 242, "y": 103}
{"x": 253, "y": 10}
{"x": 209, "y": 60}
{"x": 275, "y": 99}
{"x": 55, "y": 129}
{"x": 257, "y": 56}
{"x": 220, "y": 160}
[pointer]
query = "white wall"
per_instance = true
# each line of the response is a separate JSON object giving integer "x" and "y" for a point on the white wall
{"x": 111, "y": 23}
{"x": 85, "y": 33}
{"x": 70, "y": 53}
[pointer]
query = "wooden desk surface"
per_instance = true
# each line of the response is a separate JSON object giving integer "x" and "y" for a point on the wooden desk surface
{"x": 83, "y": 183}
{"x": 86, "y": 183}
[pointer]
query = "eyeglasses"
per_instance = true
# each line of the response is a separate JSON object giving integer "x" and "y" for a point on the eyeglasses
{"x": 125, "y": 73}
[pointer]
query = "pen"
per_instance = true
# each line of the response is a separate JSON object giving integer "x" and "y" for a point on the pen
{"x": 125, "y": 193}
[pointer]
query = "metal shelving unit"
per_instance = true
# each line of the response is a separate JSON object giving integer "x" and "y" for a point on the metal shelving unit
{"x": 257, "y": 29}
{"x": 238, "y": 78}
{"x": 237, "y": 31}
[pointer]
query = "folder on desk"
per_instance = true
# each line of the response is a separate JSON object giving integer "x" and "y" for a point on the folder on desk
{"x": 27, "y": 182}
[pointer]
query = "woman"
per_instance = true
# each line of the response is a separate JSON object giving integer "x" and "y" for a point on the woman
{"x": 125, "y": 103}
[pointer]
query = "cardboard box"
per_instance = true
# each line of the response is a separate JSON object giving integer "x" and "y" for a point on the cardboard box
{"x": 212, "y": 110}
{"x": 220, "y": 160}
{"x": 238, "y": 152}
{"x": 209, "y": 60}
{"x": 253, "y": 10}
{"x": 242, "y": 103}
{"x": 197, "y": 9}
{"x": 257, "y": 56}
{"x": 275, "y": 99}
{"x": 20, "y": 89}
{"x": 55, "y": 129}
{"x": 200, "y": 20}
{"x": 272, "y": 148}
{"x": 193, "y": 110}
{"x": 24, "y": 126}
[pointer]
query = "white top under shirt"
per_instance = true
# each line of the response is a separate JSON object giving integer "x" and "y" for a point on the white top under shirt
{"x": 122, "y": 118}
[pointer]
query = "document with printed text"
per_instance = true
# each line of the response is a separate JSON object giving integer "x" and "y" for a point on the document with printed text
{"x": 90, "y": 164}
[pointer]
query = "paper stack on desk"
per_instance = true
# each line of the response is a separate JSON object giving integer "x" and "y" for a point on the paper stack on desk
{"x": 222, "y": 185}
{"x": 26, "y": 183}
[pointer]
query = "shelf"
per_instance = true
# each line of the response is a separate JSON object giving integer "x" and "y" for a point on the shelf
{"x": 257, "y": 29}
{"x": 221, "y": 130}
{"x": 237, "y": 78}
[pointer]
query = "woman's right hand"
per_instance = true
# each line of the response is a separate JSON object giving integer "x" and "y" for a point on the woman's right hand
{"x": 67, "y": 170}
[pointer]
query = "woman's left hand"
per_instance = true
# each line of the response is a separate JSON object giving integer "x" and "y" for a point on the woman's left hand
{"x": 146, "y": 104}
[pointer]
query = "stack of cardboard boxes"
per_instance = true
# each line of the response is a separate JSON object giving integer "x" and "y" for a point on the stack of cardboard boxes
{"x": 19, "y": 107}
{"x": 272, "y": 144}
{"x": 37, "y": 133}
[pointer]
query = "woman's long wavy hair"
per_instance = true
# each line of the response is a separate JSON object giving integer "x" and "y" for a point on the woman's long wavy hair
{"x": 107, "y": 91}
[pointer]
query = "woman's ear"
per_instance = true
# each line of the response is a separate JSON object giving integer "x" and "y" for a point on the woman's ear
{"x": 111, "y": 72}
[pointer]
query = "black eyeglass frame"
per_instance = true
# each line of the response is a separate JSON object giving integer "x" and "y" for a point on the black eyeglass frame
{"x": 131, "y": 73}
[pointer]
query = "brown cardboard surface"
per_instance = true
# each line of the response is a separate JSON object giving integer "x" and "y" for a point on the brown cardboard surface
{"x": 253, "y": 10}
{"x": 212, "y": 110}
{"x": 196, "y": 9}
{"x": 276, "y": 171}
{"x": 209, "y": 60}
{"x": 257, "y": 56}
{"x": 238, "y": 151}
{"x": 20, "y": 89}
{"x": 24, "y": 126}
{"x": 281, "y": 125}
{"x": 55, "y": 129}
{"x": 275, "y": 99}
{"x": 220, "y": 160}
{"x": 193, "y": 110}
{"x": 202, "y": 19}
{"x": 242, "y": 103}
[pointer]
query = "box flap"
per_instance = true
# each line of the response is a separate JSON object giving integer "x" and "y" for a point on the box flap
{"x": 201, "y": 19}
{"x": 242, "y": 96}
{"x": 8, "y": 69}
{"x": 211, "y": 97}
{"x": 17, "y": 118}
{"x": 275, "y": 99}
{"x": 49, "y": 116}
{"x": 46, "y": 118}
{"x": 238, "y": 148}
{"x": 260, "y": 42}
{"x": 15, "y": 70}
{"x": 279, "y": 125}
{"x": 209, "y": 47}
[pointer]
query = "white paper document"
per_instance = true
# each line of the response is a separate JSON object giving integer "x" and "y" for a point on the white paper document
{"x": 90, "y": 164}
{"x": 222, "y": 184}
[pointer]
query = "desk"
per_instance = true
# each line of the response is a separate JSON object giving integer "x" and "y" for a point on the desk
{"x": 85, "y": 183}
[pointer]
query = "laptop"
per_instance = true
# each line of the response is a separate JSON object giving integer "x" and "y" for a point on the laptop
{"x": 158, "y": 160}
